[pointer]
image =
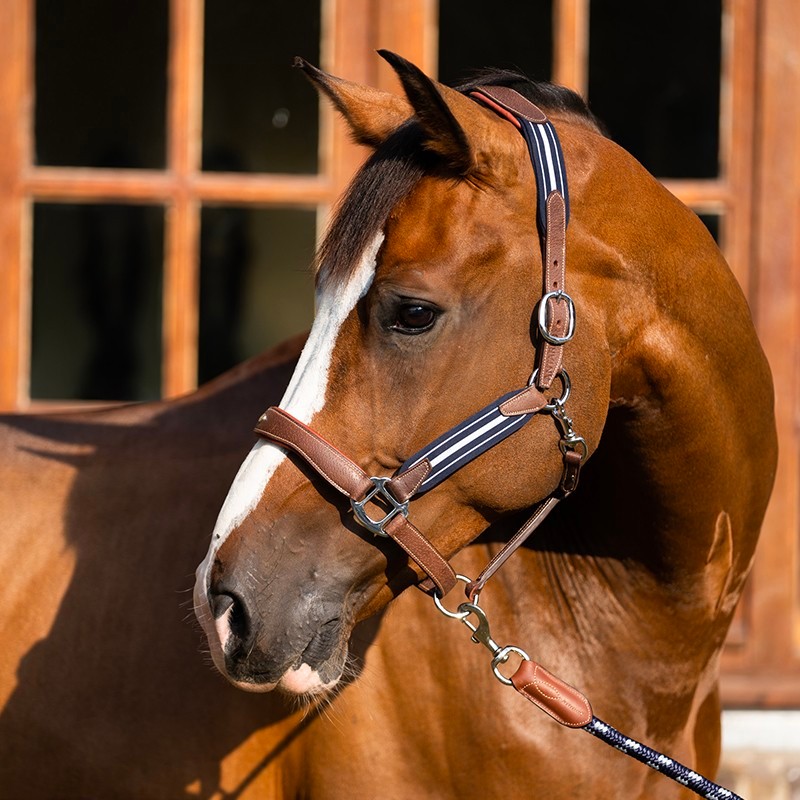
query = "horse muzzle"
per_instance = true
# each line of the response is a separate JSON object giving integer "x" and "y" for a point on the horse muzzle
{"x": 301, "y": 648}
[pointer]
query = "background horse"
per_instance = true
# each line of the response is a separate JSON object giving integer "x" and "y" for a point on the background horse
{"x": 104, "y": 691}
{"x": 427, "y": 284}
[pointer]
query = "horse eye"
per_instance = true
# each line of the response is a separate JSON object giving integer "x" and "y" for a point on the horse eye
{"x": 413, "y": 318}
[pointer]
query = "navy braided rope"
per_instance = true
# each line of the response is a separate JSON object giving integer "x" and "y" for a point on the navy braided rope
{"x": 659, "y": 762}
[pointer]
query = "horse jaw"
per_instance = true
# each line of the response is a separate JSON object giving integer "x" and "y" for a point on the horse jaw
{"x": 304, "y": 397}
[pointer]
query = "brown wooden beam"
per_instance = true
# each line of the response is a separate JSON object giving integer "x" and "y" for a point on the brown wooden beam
{"x": 15, "y": 106}
{"x": 181, "y": 258}
{"x": 70, "y": 184}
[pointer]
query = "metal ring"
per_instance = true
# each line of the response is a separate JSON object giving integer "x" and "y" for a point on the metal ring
{"x": 564, "y": 375}
{"x": 460, "y": 615}
{"x": 546, "y": 335}
{"x": 501, "y": 657}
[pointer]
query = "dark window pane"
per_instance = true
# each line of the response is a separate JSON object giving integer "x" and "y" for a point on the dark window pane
{"x": 517, "y": 35}
{"x": 654, "y": 79}
{"x": 256, "y": 287}
{"x": 96, "y": 316}
{"x": 259, "y": 114}
{"x": 101, "y": 83}
{"x": 714, "y": 223}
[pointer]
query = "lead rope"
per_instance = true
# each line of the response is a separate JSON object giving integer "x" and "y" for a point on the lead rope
{"x": 567, "y": 705}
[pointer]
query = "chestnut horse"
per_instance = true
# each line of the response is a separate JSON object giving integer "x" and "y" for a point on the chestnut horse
{"x": 104, "y": 692}
{"x": 428, "y": 284}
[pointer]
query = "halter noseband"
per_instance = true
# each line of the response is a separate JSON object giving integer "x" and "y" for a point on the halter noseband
{"x": 492, "y": 424}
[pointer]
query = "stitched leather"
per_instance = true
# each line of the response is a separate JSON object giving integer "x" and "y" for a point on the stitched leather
{"x": 406, "y": 485}
{"x": 513, "y": 101}
{"x": 552, "y": 356}
{"x": 330, "y": 463}
{"x": 562, "y": 702}
{"x": 528, "y": 401}
{"x": 348, "y": 478}
{"x": 513, "y": 544}
{"x": 423, "y": 553}
{"x": 572, "y": 470}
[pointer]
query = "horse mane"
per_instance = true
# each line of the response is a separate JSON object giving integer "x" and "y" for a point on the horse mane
{"x": 400, "y": 162}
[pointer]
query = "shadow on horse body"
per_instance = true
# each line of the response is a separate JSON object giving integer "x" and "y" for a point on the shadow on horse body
{"x": 427, "y": 284}
{"x": 103, "y": 685}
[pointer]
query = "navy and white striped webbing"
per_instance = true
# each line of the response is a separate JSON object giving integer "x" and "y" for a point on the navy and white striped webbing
{"x": 548, "y": 165}
{"x": 466, "y": 441}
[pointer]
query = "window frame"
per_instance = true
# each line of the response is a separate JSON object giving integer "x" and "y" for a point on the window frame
{"x": 182, "y": 188}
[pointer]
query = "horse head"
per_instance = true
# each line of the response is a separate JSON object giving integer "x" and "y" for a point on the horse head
{"x": 426, "y": 287}
{"x": 429, "y": 307}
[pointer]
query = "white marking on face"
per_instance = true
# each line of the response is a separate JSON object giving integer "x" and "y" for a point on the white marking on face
{"x": 304, "y": 397}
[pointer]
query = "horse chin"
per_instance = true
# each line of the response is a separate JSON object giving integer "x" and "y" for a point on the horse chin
{"x": 305, "y": 681}
{"x": 300, "y": 682}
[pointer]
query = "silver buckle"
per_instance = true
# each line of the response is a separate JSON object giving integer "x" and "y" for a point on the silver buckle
{"x": 546, "y": 335}
{"x": 380, "y": 492}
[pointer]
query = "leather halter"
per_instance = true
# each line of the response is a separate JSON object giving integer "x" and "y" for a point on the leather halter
{"x": 493, "y": 423}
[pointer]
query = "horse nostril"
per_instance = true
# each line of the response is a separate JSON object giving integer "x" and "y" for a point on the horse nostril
{"x": 220, "y": 603}
{"x": 238, "y": 620}
{"x": 224, "y": 603}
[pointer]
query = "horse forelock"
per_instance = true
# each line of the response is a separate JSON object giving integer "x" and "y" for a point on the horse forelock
{"x": 387, "y": 177}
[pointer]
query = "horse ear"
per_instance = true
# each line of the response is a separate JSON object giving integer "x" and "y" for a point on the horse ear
{"x": 371, "y": 114}
{"x": 438, "y": 108}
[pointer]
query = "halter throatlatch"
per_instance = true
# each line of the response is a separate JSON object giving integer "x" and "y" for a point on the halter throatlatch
{"x": 380, "y": 504}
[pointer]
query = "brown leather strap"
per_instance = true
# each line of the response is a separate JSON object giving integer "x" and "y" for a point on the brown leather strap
{"x": 562, "y": 702}
{"x": 330, "y": 463}
{"x": 528, "y": 401}
{"x": 349, "y": 479}
{"x": 507, "y": 103}
{"x": 514, "y": 543}
{"x": 551, "y": 356}
{"x": 573, "y": 461}
{"x": 406, "y": 485}
{"x": 423, "y": 553}
{"x": 510, "y": 100}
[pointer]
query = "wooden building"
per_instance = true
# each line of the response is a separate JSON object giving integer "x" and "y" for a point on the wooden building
{"x": 164, "y": 175}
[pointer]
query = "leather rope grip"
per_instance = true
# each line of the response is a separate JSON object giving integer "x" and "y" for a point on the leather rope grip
{"x": 564, "y": 703}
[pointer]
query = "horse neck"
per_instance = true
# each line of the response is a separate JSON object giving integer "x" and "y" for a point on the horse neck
{"x": 688, "y": 450}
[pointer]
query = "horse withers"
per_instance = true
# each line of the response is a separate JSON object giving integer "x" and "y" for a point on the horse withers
{"x": 428, "y": 284}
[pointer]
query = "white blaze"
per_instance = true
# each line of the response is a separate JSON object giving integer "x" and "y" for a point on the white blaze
{"x": 303, "y": 398}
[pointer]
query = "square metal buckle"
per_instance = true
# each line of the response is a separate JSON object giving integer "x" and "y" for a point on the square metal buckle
{"x": 380, "y": 492}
